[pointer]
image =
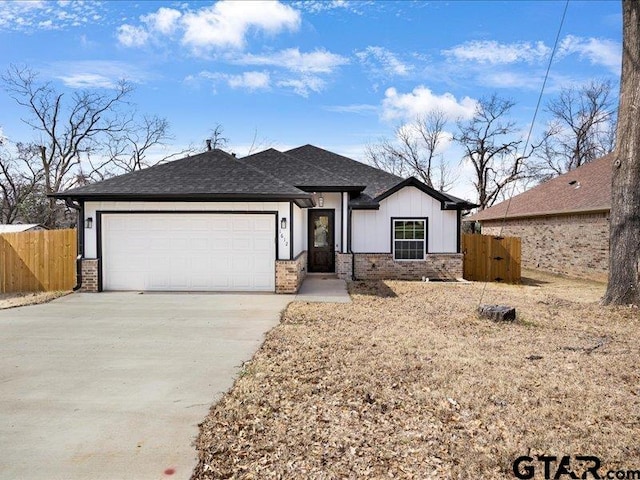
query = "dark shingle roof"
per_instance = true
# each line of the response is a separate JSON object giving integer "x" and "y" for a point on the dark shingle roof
{"x": 377, "y": 181}
{"x": 216, "y": 175}
{"x": 213, "y": 173}
{"x": 297, "y": 171}
{"x": 587, "y": 188}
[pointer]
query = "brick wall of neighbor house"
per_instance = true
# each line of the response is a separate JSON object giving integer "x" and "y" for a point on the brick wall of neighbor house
{"x": 572, "y": 245}
{"x": 379, "y": 266}
{"x": 291, "y": 273}
{"x": 343, "y": 265}
{"x": 89, "y": 270}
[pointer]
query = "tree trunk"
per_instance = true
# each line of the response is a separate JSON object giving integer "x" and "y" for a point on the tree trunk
{"x": 624, "y": 237}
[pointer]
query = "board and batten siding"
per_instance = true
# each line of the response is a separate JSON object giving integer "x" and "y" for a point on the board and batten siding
{"x": 371, "y": 229}
{"x": 91, "y": 208}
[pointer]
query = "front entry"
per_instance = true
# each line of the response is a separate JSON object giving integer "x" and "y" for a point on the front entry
{"x": 321, "y": 241}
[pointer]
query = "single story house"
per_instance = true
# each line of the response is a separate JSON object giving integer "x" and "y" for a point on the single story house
{"x": 563, "y": 223}
{"x": 21, "y": 227}
{"x": 214, "y": 222}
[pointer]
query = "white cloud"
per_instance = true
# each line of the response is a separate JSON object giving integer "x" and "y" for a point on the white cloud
{"x": 505, "y": 79}
{"x": 25, "y": 15}
{"x": 320, "y": 6}
{"x": 495, "y": 53}
{"x": 359, "y": 108}
{"x": 250, "y": 80}
{"x": 598, "y": 51}
{"x": 96, "y": 73}
{"x": 379, "y": 58}
{"x": 304, "y": 85}
{"x": 422, "y": 100}
{"x": 318, "y": 61}
{"x": 164, "y": 21}
{"x": 132, "y": 36}
{"x": 87, "y": 80}
{"x": 225, "y": 24}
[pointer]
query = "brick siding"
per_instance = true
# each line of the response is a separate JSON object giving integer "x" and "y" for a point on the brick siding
{"x": 343, "y": 265}
{"x": 572, "y": 245}
{"x": 89, "y": 275}
{"x": 291, "y": 273}
{"x": 382, "y": 266}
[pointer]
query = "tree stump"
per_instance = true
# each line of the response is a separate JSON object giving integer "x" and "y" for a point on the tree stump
{"x": 497, "y": 313}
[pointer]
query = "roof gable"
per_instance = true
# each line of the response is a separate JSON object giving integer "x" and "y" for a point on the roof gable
{"x": 376, "y": 181}
{"x": 447, "y": 202}
{"x": 587, "y": 188}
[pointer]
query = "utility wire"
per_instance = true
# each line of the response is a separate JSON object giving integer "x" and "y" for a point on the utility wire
{"x": 532, "y": 124}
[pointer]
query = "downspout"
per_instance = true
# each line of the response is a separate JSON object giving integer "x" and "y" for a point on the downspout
{"x": 79, "y": 208}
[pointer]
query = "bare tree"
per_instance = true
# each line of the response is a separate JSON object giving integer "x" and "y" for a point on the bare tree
{"x": 581, "y": 129}
{"x": 623, "y": 287}
{"x": 489, "y": 144}
{"x": 261, "y": 144}
{"x": 18, "y": 182}
{"x": 218, "y": 140}
{"x": 414, "y": 151}
{"x": 68, "y": 127}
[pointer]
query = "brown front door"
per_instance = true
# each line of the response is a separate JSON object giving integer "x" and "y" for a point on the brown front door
{"x": 321, "y": 241}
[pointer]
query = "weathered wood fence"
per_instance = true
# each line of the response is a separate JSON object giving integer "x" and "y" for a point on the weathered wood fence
{"x": 42, "y": 260}
{"x": 491, "y": 259}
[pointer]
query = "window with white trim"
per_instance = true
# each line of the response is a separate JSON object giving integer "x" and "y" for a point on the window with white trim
{"x": 409, "y": 239}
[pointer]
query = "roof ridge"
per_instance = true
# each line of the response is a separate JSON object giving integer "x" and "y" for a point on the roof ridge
{"x": 279, "y": 181}
{"x": 348, "y": 158}
{"x": 318, "y": 167}
{"x": 584, "y": 188}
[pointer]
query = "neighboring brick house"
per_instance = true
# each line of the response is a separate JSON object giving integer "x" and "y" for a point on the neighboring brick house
{"x": 563, "y": 223}
{"x": 260, "y": 223}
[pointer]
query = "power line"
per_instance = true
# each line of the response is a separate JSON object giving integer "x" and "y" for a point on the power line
{"x": 532, "y": 124}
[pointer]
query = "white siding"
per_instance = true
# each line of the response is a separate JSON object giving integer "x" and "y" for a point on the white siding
{"x": 90, "y": 209}
{"x": 299, "y": 230}
{"x": 372, "y": 228}
{"x": 333, "y": 201}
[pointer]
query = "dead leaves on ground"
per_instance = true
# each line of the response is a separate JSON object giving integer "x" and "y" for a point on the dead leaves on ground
{"x": 406, "y": 382}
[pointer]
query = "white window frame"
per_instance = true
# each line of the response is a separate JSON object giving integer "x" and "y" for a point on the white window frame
{"x": 394, "y": 240}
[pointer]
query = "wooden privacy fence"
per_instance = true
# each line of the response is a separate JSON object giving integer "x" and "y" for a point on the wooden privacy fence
{"x": 38, "y": 261}
{"x": 491, "y": 259}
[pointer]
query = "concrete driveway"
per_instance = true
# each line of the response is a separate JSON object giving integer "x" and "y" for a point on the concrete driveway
{"x": 113, "y": 385}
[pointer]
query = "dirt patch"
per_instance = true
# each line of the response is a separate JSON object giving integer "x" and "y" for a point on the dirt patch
{"x": 10, "y": 300}
{"x": 407, "y": 382}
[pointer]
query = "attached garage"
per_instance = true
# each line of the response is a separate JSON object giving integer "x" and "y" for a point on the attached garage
{"x": 214, "y": 222}
{"x": 188, "y": 251}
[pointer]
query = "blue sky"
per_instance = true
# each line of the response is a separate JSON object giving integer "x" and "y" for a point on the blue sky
{"x": 336, "y": 74}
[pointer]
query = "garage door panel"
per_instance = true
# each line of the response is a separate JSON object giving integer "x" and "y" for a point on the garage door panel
{"x": 264, "y": 225}
{"x": 177, "y": 251}
{"x": 262, "y": 244}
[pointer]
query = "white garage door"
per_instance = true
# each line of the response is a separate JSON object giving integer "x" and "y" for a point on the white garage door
{"x": 191, "y": 252}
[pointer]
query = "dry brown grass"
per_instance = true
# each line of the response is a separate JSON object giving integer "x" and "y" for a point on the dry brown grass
{"x": 407, "y": 382}
{"x": 11, "y": 300}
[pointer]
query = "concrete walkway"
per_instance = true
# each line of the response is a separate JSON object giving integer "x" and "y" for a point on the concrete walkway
{"x": 113, "y": 385}
{"x": 323, "y": 288}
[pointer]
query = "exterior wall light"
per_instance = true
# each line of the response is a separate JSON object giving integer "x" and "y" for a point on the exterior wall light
{"x": 321, "y": 201}
{"x": 88, "y": 222}
{"x": 283, "y": 224}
